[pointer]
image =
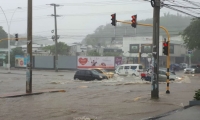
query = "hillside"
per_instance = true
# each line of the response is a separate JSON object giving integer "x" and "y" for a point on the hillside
{"x": 174, "y": 23}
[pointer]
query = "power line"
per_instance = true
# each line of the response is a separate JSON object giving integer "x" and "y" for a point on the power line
{"x": 191, "y": 2}
{"x": 177, "y": 2}
{"x": 180, "y": 11}
{"x": 181, "y": 6}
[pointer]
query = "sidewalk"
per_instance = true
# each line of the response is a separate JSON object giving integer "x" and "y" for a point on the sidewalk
{"x": 20, "y": 94}
{"x": 187, "y": 113}
{"x": 35, "y": 71}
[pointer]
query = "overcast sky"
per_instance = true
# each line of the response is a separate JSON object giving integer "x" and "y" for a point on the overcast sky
{"x": 80, "y": 17}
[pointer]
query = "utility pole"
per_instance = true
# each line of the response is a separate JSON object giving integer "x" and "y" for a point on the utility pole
{"x": 56, "y": 36}
{"x": 29, "y": 49}
{"x": 155, "y": 59}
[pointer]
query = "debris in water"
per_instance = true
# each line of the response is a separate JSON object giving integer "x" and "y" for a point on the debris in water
{"x": 85, "y": 118}
{"x": 58, "y": 82}
{"x": 83, "y": 86}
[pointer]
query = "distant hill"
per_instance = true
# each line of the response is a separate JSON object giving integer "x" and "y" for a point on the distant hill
{"x": 174, "y": 23}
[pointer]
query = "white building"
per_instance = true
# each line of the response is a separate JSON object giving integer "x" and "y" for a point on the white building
{"x": 36, "y": 49}
{"x": 139, "y": 43}
{"x": 79, "y": 49}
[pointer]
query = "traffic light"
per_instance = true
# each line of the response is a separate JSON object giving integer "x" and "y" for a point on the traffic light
{"x": 113, "y": 19}
{"x": 16, "y": 37}
{"x": 134, "y": 21}
{"x": 165, "y": 48}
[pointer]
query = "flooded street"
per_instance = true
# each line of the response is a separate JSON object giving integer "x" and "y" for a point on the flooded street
{"x": 120, "y": 98}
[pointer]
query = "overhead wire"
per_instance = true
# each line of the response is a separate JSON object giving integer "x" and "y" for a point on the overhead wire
{"x": 180, "y": 3}
{"x": 192, "y": 2}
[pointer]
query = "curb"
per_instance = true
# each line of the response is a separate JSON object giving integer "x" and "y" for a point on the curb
{"x": 29, "y": 94}
{"x": 168, "y": 113}
{"x": 17, "y": 73}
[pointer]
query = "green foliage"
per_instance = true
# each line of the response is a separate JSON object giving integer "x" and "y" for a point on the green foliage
{"x": 112, "y": 54}
{"x": 3, "y": 35}
{"x": 191, "y": 35}
{"x": 93, "y": 53}
{"x": 174, "y": 24}
{"x": 15, "y": 51}
{"x": 197, "y": 95}
{"x": 195, "y": 56}
{"x": 62, "y": 48}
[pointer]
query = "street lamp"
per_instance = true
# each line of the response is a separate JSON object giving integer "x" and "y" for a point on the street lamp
{"x": 9, "y": 24}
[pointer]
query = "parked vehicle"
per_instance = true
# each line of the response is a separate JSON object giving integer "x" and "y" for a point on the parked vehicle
{"x": 172, "y": 72}
{"x": 175, "y": 67}
{"x": 162, "y": 76}
{"x": 184, "y": 65}
{"x": 105, "y": 72}
{"x": 88, "y": 75}
{"x": 129, "y": 69}
{"x": 192, "y": 69}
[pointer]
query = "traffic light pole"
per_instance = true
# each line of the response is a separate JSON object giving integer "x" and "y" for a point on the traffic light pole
{"x": 148, "y": 25}
{"x": 168, "y": 65}
{"x": 168, "y": 40}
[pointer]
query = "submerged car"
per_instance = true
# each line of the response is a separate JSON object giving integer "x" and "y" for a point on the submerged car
{"x": 88, "y": 75}
{"x": 163, "y": 76}
{"x": 192, "y": 69}
{"x": 105, "y": 72}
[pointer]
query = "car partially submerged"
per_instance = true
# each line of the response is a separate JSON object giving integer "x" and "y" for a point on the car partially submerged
{"x": 88, "y": 75}
{"x": 163, "y": 76}
{"x": 103, "y": 71}
{"x": 192, "y": 69}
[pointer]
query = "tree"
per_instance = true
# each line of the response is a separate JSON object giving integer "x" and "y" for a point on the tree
{"x": 195, "y": 57}
{"x": 15, "y": 51}
{"x": 3, "y": 34}
{"x": 62, "y": 48}
{"x": 93, "y": 53}
{"x": 191, "y": 35}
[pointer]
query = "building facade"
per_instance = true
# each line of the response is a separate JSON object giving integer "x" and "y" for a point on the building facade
{"x": 132, "y": 46}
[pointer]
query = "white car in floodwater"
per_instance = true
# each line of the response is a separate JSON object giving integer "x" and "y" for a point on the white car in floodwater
{"x": 129, "y": 69}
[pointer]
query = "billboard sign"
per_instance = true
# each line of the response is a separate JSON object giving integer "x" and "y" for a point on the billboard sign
{"x": 134, "y": 48}
{"x": 20, "y": 61}
{"x": 118, "y": 61}
{"x": 96, "y": 62}
{"x": 146, "y": 48}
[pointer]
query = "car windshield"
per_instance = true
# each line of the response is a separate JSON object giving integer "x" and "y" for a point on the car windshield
{"x": 95, "y": 72}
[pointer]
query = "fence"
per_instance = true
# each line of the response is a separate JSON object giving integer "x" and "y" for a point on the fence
{"x": 76, "y": 62}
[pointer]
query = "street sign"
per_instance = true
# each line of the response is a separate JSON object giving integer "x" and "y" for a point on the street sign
{"x": 189, "y": 51}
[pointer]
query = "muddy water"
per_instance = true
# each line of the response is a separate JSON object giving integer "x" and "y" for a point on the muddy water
{"x": 120, "y": 98}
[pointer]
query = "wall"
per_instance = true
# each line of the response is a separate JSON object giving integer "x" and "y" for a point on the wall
{"x": 179, "y": 49}
{"x": 67, "y": 62}
{"x": 138, "y": 40}
{"x": 44, "y": 62}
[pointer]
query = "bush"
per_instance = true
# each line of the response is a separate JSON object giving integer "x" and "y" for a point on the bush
{"x": 197, "y": 95}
